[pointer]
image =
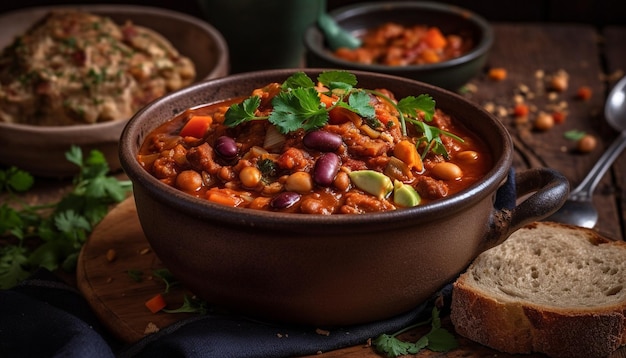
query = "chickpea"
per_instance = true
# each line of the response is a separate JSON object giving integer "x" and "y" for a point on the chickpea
{"x": 587, "y": 143}
{"x": 544, "y": 121}
{"x": 447, "y": 171}
{"x": 559, "y": 81}
{"x": 189, "y": 180}
{"x": 342, "y": 181}
{"x": 250, "y": 177}
{"x": 226, "y": 173}
{"x": 300, "y": 182}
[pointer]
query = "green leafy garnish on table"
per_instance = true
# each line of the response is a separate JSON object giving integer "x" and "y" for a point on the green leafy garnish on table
{"x": 298, "y": 106}
{"x": 438, "y": 339}
{"x": 574, "y": 134}
{"x": 51, "y": 235}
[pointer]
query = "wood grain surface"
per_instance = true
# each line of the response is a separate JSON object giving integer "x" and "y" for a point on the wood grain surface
{"x": 107, "y": 284}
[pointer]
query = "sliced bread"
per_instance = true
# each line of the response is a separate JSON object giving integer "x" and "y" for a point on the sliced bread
{"x": 549, "y": 288}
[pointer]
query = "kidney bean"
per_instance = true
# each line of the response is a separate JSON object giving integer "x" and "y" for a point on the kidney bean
{"x": 284, "y": 199}
{"x": 226, "y": 147}
{"x": 326, "y": 168}
{"x": 322, "y": 141}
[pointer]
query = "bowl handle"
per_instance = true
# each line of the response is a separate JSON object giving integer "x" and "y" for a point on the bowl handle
{"x": 549, "y": 190}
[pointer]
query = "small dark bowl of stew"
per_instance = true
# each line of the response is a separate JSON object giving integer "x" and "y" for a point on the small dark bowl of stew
{"x": 323, "y": 197}
{"x": 436, "y": 43}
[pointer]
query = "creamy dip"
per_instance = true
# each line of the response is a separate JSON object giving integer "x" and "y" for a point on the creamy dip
{"x": 74, "y": 67}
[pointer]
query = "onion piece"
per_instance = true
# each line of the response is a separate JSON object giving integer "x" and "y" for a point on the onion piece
{"x": 273, "y": 139}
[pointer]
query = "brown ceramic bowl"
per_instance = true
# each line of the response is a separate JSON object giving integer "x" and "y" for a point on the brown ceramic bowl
{"x": 41, "y": 149}
{"x": 450, "y": 19}
{"x": 328, "y": 269}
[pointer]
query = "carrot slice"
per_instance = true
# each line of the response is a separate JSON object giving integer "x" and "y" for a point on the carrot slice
{"x": 156, "y": 303}
{"x": 435, "y": 39}
{"x": 197, "y": 126}
{"x": 217, "y": 196}
{"x": 407, "y": 152}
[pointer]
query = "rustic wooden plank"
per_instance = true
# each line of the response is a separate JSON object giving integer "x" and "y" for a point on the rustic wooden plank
{"x": 526, "y": 50}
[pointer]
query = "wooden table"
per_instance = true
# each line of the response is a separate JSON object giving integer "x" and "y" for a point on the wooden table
{"x": 591, "y": 57}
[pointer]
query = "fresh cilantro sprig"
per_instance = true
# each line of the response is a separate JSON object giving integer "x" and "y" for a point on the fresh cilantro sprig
{"x": 438, "y": 339}
{"x": 58, "y": 229}
{"x": 298, "y": 106}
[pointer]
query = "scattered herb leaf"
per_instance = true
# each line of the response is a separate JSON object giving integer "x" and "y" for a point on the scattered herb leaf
{"x": 574, "y": 134}
{"x": 438, "y": 339}
{"x": 135, "y": 275}
{"x": 191, "y": 304}
{"x": 167, "y": 277}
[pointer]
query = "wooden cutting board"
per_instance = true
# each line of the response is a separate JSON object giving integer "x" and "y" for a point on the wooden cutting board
{"x": 107, "y": 284}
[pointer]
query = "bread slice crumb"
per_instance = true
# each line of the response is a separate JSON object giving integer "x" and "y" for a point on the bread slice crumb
{"x": 549, "y": 288}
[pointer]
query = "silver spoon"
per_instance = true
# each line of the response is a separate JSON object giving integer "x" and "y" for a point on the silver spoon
{"x": 578, "y": 209}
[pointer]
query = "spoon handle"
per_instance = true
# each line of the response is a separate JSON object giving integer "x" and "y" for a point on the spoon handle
{"x": 585, "y": 189}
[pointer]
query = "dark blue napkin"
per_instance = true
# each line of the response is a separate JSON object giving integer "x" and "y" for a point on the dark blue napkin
{"x": 44, "y": 317}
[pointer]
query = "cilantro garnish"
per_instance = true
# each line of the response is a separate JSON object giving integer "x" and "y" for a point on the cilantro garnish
{"x": 298, "y": 106}
{"x": 59, "y": 229}
{"x": 437, "y": 340}
{"x": 191, "y": 305}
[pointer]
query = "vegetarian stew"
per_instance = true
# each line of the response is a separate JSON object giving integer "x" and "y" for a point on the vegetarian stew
{"x": 393, "y": 44}
{"x": 324, "y": 147}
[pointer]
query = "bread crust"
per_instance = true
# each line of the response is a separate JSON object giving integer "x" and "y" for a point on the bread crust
{"x": 518, "y": 325}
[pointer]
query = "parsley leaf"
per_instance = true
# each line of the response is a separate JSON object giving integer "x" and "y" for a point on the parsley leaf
{"x": 167, "y": 277}
{"x": 245, "y": 111}
{"x": 59, "y": 229}
{"x": 337, "y": 79}
{"x": 360, "y": 103}
{"x": 438, "y": 339}
{"x": 410, "y": 105}
{"x": 299, "y": 108}
{"x": 298, "y": 80}
{"x": 190, "y": 305}
{"x": 16, "y": 180}
{"x": 12, "y": 261}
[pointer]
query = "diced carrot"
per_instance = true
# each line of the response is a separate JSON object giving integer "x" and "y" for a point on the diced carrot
{"x": 327, "y": 100}
{"x": 559, "y": 116}
{"x": 339, "y": 115}
{"x": 430, "y": 56}
{"x": 583, "y": 93}
{"x": 217, "y": 196}
{"x": 497, "y": 73}
{"x": 196, "y": 126}
{"x": 435, "y": 39}
{"x": 156, "y": 303}
{"x": 520, "y": 110}
{"x": 407, "y": 152}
